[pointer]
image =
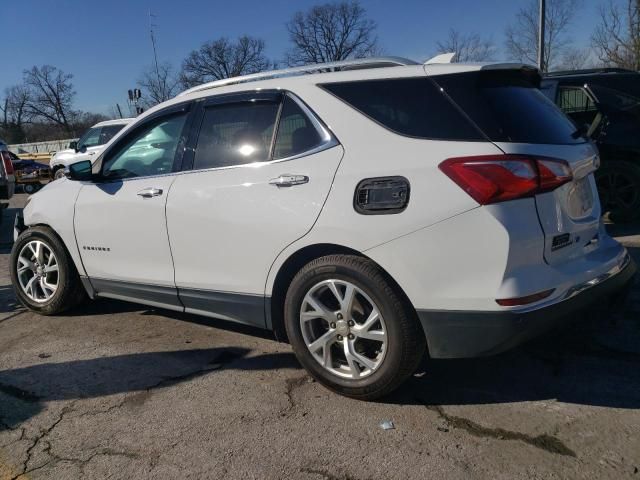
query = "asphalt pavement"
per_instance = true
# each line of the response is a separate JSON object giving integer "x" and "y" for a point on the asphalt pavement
{"x": 116, "y": 390}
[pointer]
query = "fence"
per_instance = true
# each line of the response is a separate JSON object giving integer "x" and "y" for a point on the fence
{"x": 40, "y": 147}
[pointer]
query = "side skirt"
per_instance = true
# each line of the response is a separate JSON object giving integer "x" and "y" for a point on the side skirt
{"x": 235, "y": 307}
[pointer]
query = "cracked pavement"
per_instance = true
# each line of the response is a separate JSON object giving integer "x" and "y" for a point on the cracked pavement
{"x": 114, "y": 390}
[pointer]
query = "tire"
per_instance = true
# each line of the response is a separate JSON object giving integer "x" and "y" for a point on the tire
{"x": 69, "y": 291}
{"x": 58, "y": 172}
{"x": 29, "y": 188}
{"x": 387, "y": 363}
{"x": 619, "y": 189}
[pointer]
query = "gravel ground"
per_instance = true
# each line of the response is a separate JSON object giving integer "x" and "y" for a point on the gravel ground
{"x": 114, "y": 390}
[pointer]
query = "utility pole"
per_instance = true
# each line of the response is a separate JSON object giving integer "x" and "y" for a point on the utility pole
{"x": 155, "y": 52}
{"x": 541, "y": 21}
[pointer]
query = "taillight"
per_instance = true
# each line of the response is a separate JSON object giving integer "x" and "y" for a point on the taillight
{"x": 8, "y": 166}
{"x": 497, "y": 178}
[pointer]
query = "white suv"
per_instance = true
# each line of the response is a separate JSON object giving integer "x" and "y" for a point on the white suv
{"x": 88, "y": 146}
{"x": 369, "y": 214}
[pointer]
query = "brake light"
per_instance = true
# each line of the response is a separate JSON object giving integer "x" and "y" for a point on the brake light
{"x": 8, "y": 166}
{"x": 498, "y": 178}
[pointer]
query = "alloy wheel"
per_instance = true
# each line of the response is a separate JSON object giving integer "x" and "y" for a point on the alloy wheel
{"x": 343, "y": 329}
{"x": 37, "y": 271}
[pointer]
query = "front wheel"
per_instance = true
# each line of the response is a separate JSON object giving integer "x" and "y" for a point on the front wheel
{"x": 58, "y": 173}
{"x": 351, "y": 328}
{"x": 44, "y": 277}
{"x": 29, "y": 188}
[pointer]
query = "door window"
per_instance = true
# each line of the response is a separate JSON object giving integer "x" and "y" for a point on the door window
{"x": 296, "y": 133}
{"x": 236, "y": 134}
{"x": 149, "y": 151}
{"x": 108, "y": 132}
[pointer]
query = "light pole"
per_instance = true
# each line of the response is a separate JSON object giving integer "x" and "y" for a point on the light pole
{"x": 541, "y": 21}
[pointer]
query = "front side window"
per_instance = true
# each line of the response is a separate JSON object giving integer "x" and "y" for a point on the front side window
{"x": 91, "y": 138}
{"x": 296, "y": 133}
{"x": 149, "y": 151}
{"x": 236, "y": 134}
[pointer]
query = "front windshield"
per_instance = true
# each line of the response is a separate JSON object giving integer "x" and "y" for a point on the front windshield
{"x": 91, "y": 138}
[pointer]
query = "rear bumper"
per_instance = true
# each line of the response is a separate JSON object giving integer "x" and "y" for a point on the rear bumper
{"x": 466, "y": 334}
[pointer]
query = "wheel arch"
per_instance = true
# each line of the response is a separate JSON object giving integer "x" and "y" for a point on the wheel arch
{"x": 292, "y": 265}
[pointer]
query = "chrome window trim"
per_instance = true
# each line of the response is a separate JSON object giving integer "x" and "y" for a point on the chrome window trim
{"x": 328, "y": 140}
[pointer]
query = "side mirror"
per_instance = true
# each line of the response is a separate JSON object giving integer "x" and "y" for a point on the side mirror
{"x": 80, "y": 171}
{"x": 74, "y": 145}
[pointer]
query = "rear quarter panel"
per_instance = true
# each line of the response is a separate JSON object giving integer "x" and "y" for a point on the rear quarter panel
{"x": 371, "y": 150}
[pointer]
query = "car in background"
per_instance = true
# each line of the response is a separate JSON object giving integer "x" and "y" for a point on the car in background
{"x": 89, "y": 145}
{"x": 7, "y": 177}
{"x": 605, "y": 105}
{"x": 29, "y": 173}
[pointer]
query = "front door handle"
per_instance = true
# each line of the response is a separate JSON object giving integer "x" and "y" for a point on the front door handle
{"x": 288, "y": 180}
{"x": 150, "y": 192}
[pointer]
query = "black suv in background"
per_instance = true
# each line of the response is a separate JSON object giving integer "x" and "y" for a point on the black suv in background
{"x": 605, "y": 105}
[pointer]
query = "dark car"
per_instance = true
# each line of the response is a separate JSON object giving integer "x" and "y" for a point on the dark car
{"x": 605, "y": 105}
{"x": 29, "y": 173}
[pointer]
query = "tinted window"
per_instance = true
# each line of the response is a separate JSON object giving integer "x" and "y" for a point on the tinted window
{"x": 296, "y": 133}
{"x": 409, "y": 106}
{"x": 108, "y": 132}
{"x": 149, "y": 151}
{"x": 235, "y": 134}
{"x": 508, "y": 107}
{"x": 91, "y": 138}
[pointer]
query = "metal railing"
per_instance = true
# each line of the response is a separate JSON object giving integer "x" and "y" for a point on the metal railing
{"x": 48, "y": 147}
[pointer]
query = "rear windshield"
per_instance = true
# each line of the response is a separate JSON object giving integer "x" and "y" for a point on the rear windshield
{"x": 413, "y": 107}
{"x": 508, "y": 107}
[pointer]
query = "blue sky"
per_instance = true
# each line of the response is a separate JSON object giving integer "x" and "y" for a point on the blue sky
{"x": 105, "y": 44}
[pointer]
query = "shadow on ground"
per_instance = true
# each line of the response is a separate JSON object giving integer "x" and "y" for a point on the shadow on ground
{"x": 592, "y": 363}
{"x": 24, "y": 391}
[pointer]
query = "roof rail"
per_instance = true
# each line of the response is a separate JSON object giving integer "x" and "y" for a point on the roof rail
{"x": 588, "y": 71}
{"x": 359, "y": 63}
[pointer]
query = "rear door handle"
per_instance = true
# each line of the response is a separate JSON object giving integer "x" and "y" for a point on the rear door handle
{"x": 288, "y": 180}
{"x": 150, "y": 192}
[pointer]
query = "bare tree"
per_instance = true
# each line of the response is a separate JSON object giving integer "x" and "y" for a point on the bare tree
{"x": 468, "y": 47}
{"x": 51, "y": 95}
{"x": 577, "y": 58}
{"x": 522, "y": 37}
{"x": 331, "y": 32}
{"x": 617, "y": 37}
{"x": 224, "y": 58}
{"x": 14, "y": 112}
{"x": 158, "y": 85}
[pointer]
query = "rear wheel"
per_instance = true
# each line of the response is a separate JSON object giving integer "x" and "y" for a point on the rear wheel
{"x": 44, "y": 277}
{"x": 619, "y": 189}
{"x": 351, "y": 328}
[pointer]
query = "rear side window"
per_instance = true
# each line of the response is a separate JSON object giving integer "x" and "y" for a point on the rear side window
{"x": 235, "y": 134}
{"x": 409, "y": 106}
{"x": 296, "y": 134}
{"x": 508, "y": 107}
{"x": 108, "y": 132}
